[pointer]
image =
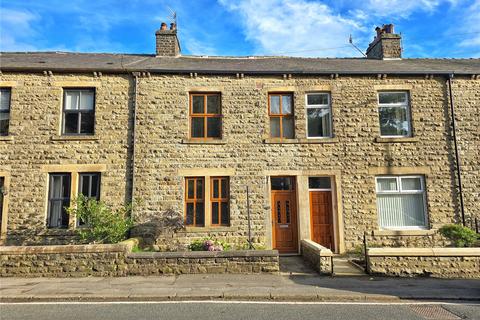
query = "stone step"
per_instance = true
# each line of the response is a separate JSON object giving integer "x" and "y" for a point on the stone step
{"x": 343, "y": 267}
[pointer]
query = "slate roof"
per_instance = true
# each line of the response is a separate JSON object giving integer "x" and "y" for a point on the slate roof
{"x": 103, "y": 62}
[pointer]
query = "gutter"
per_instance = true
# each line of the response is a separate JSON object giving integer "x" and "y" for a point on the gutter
{"x": 230, "y": 72}
{"x": 457, "y": 155}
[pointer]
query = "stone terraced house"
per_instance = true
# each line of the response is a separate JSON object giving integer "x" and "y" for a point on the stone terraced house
{"x": 329, "y": 149}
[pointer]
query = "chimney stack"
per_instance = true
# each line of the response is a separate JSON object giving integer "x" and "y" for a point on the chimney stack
{"x": 386, "y": 44}
{"x": 167, "y": 44}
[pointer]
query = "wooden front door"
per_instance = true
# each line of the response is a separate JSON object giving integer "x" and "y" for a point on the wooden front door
{"x": 2, "y": 181}
{"x": 284, "y": 217}
{"x": 321, "y": 218}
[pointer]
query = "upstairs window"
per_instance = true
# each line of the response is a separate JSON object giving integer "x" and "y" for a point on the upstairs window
{"x": 79, "y": 112}
{"x": 319, "y": 115}
{"x": 281, "y": 115}
{"x": 205, "y": 116}
{"x": 5, "y": 94}
{"x": 394, "y": 114}
{"x": 58, "y": 200}
{"x": 401, "y": 202}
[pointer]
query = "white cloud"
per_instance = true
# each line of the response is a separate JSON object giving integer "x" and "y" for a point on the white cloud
{"x": 402, "y": 8}
{"x": 294, "y": 27}
{"x": 471, "y": 21}
{"x": 17, "y": 28}
{"x": 298, "y": 27}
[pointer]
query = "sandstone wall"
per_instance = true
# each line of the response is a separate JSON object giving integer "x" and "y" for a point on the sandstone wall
{"x": 320, "y": 258}
{"x": 117, "y": 260}
{"x": 433, "y": 262}
{"x": 163, "y": 148}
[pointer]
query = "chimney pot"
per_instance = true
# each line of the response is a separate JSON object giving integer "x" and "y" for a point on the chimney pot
{"x": 163, "y": 26}
{"x": 173, "y": 26}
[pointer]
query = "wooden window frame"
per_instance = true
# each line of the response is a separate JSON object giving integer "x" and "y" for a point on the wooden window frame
{"x": 79, "y": 112}
{"x": 194, "y": 200}
{"x": 205, "y": 115}
{"x": 220, "y": 200}
{"x": 7, "y": 111}
{"x": 280, "y": 115}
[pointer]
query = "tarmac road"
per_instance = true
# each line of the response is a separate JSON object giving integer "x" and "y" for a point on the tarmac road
{"x": 199, "y": 310}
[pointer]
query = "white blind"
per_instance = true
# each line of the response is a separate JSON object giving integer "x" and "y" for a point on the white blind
{"x": 401, "y": 210}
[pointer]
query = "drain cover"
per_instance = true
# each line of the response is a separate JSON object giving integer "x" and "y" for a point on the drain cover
{"x": 434, "y": 312}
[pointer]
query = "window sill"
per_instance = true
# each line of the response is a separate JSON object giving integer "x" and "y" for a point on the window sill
{"x": 57, "y": 232}
{"x": 200, "y": 141}
{"x": 6, "y": 138}
{"x": 397, "y": 140}
{"x": 300, "y": 141}
{"x": 208, "y": 229}
{"x": 411, "y": 232}
{"x": 74, "y": 138}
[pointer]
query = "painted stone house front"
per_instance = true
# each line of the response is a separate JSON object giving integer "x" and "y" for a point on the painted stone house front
{"x": 328, "y": 148}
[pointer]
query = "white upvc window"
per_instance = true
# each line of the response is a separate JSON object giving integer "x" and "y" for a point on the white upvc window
{"x": 394, "y": 114}
{"x": 319, "y": 115}
{"x": 401, "y": 202}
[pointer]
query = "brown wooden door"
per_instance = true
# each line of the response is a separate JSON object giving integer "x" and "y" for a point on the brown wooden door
{"x": 284, "y": 215}
{"x": 321, "y": 218}
{"x": 2, "y": 181}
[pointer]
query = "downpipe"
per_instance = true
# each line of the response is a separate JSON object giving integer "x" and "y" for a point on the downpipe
{"x": 457, "y": 155}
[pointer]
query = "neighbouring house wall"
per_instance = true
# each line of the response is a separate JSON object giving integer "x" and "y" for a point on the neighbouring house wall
{"x": 117, "y": 260}
{"x": 34, "y": 147}
{"x": 427, "y": 262}
{"x": 164, "y": 154}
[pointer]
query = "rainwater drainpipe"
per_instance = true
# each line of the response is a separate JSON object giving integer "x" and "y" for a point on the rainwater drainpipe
{"x": 457, "y": 156}
{"x": 133, "y": 137}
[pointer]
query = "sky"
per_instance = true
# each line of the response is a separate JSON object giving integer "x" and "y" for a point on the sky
{"x": 309, "y": 28}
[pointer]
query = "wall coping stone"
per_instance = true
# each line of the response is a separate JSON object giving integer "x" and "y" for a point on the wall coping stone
{"x": 423, "y": 252}
{"x": 87, "y": 248}
{"x": 124, "y": 246}
{"x": 322, "y": 251}
{"x": 204, "y": 254}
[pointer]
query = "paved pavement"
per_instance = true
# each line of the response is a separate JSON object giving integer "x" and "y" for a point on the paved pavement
{"x": 285, "y": 287}
{"x": 236, "y": 310}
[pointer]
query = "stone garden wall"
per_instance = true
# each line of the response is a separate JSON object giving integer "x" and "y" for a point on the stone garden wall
{"x": 428, "y": 262}
{"x": 117, "y": 260}
{"x": 319, "y": 257}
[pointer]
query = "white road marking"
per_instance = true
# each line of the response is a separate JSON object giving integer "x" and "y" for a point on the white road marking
{"x": 240, "y": 302}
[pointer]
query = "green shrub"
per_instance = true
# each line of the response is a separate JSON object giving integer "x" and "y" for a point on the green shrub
{"x": 102, "y": 224}
{"x": 461, "y": 236}
{"x": 254, "y": 246}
